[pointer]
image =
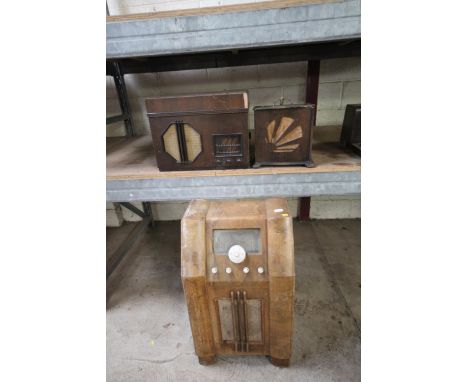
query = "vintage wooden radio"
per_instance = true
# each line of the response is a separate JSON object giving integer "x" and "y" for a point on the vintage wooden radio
{"x": 237, "y": 261}
{"x": 283, "y": 135}
{"x": 351, "y": 130}
{"x": 200, "y": 131}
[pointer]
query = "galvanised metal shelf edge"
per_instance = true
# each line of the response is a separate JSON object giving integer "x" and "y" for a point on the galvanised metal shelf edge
{"x": 235, "y": 186}
{"x": 319, "y": 22}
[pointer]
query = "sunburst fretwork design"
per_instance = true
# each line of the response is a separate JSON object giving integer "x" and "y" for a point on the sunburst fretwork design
{"x": 283, "y": 135}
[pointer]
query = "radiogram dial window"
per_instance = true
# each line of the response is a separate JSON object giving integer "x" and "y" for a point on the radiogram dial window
{"x": 228, "y": 145}
{"x": 249, "y": 239}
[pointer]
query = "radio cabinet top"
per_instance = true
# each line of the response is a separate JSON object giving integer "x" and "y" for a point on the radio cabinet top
{"x": 237, "y": 234}
{"x": 197, "y": 104}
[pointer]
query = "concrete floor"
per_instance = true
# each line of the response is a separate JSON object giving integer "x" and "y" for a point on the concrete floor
{"x": 148, "y": 331}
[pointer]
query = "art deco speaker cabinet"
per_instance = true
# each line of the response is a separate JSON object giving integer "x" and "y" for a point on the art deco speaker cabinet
{"x": 351, "y": 130}
{"x": 238, "y": 276}
{"x": 200, "y": 131}
{"x": 283, "y": 135}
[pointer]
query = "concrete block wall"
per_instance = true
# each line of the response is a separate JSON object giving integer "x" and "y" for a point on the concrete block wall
{"x": 321, "y": 207}
{"x": 125, "y": 7}
{"x": 114, "y": 216}
{"x": 339, "y": 85}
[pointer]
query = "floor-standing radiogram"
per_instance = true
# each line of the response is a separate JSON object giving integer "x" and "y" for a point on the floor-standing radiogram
{"x": 237, "y": 262}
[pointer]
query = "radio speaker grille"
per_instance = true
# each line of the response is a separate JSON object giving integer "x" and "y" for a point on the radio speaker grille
{"x": 182, "y": 142}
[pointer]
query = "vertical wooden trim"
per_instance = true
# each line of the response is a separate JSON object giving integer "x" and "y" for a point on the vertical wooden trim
{"x": 193, "y": 250}
{"x": 281, "y": 316}
{"x": 200, "y": 322}
{"x": 280, "y": 239}
{"x": 312, "y": 84}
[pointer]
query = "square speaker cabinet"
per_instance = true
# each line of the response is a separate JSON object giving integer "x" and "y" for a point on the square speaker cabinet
{"x": 237, "y": 260}
{"x": 283, "y": 135}
{"x": 200, "y": 132}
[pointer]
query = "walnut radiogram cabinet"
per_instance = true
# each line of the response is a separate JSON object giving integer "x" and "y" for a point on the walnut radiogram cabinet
{"x": 200, "y": 132}
{"x": 237, "y": 260}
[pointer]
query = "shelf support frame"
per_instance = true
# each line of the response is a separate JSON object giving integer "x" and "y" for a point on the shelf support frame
{"x": 312, "y": 85}
{"x": 127, "y": 244}
{"x": 122, "y": 94}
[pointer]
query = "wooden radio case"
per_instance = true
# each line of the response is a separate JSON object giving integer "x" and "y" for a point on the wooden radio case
{"x": 237, "y": 260}
{"x": 351, "y": 130}
{"x": 283, "y": 135}
{"x": 200, "y": 131}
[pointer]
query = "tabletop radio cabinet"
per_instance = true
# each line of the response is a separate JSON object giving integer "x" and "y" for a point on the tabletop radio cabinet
{"x": 197, "y": 132}
{"x": 283, "y": 135}
{"x": 237, "y": 260}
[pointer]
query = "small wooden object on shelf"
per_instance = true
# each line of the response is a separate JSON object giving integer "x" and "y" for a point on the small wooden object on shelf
{"x": 283, "y": 135}
{"x": 351, "y": 130}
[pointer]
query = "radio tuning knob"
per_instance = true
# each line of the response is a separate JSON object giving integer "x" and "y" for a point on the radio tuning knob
{"x": 228, "y": 270}
{"x": 246, "y": 270}
{"x": 236, "y": 254}
{"x": 260, "y": 270}
{"x": 214, "y": 270}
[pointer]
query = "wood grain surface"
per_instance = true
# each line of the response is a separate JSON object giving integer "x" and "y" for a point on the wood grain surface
{"x": 218, "y": 9}
{"x": 272, "y": 290}
{"x": 133, "y": 158}
{"x": 218, "y": 119}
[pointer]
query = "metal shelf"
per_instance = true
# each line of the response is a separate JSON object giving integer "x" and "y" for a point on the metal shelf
{"x": 241, "y": 27}
{"x": 132, "y": 175}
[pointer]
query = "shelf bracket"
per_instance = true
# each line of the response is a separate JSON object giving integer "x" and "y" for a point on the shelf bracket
{"x": 123, "y": 98}
{"x": 134, "y": 209}
{"x": 116, "y": 118}
{"x": 128, "y": 243}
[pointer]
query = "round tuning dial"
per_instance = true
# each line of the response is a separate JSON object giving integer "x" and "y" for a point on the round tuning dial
{"x": 236, "y": 254}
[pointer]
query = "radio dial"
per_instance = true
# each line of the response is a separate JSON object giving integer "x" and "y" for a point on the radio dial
{"x": 236, "y": 254}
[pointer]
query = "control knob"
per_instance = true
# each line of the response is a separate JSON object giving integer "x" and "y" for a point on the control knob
{"x": 236, "y": 254}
